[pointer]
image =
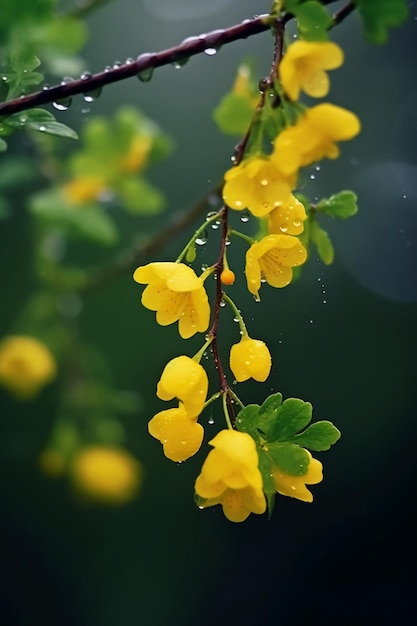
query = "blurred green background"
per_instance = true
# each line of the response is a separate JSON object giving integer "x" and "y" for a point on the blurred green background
{"x": 342, "y": 337}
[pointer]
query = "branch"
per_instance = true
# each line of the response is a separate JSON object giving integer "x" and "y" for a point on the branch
{"x": 145, "y": 62}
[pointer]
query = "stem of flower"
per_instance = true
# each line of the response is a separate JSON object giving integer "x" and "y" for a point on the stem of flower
{"x": 201, "y": 229}
{"x": 199, "y": 354}
{"x": 238, "y": 315}
{"x": 225, "y": 397}
{"x": 236, "y": 233}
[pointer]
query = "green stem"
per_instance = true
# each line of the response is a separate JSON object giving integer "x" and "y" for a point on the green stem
{"x": 225, "y": 410}
{"x": 207, "y": 222}
{"x": 236, "y": 399}
{"x": 199, "y": 354}
{"x": 238, "y": 315}
{"x": 237, "y": 233}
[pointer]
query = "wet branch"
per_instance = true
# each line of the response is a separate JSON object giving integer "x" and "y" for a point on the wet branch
{"x": 145, "y": 62}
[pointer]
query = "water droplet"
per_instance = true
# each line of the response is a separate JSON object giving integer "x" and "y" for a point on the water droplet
{"x": 283, "y": 228}
{"x": 42, "y": 129}
{"x": 46, "y": 87}
{"x": 145, "y": 75}
{"x": 90, "y": 96}
{"x": 201, "y": 240}
{"x": 116, "y": 65}
{"x": 85, "y": 75}
{"x": 228, "y": 241}
{"x": 245, "y": 216}
{"x": 210, "y": 51}
{"x": 129, "y": 61}
{"x": 312, "y": 176}
{"x": 62, "y": 105}
{"x": 296, "y": 223}
{"x": 107, "y": 68}
{"x": 264, "y": 182}
{"x": 179, "y": 63}
{"x": 310, "y": 321}
{"x": 210, "y": 214}
{"x": 222, "y": 303}
{"x": 317, "y": 168}
{"x": 238, "y": 204}
{"x": 210, "y": 420}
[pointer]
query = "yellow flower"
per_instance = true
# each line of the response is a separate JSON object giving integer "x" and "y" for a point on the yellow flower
{"x": 185, "y": 379}
{"x": 287, "y": 218}
{"x": 26, "y": 365}
{"x": 107, "y": 474}
{"x": 83, "y": 189}
{"x": 136, "y": 157}
{"x": 175, "y": 292}
{"x": 303, "y": 67}
{"x": 250, "y": 358}
{"x": 273, "y": 259}
{"x": 256, "y": 184}
{"x": 230, "y": 476}
{"x": 313, "y": 137}
{"x": 180, "y": 435}
{"x": 295, "y": 486}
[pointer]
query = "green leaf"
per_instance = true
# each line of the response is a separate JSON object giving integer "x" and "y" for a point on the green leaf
{"x": 234, "y": 114}
{"x": 322, "y": 242}
{"x": 341, "y": 205}
{"x": 3, "y": 145}
{"x": 380, "y": 15}
{"x": 139, "y": 196}
{"x": 247, "y": 420}
{"x": 289, "y": 457}
{"x": 313, "y": 20}
{"x": 318, "y": 437}
{"x": 293, "y": 415}
{"x": 266, "y": 467}
{"x": 22, "y": 76}
{"x": 268, "y": 412}
{"x": 86, "y": 222}
{"x": 43, "y": 121}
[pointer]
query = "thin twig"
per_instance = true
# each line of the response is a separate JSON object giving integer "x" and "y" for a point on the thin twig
{"x": 145, "y": 62}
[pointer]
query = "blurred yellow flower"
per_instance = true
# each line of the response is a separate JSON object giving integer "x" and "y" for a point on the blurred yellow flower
{"x": 295, "y": 486}
{"x": 230, "y": 476}
{"x": 84, "y": 189}
{"x": 26, "y": 365}
{"x": 250, "y": 358}
{"x": 303, "y": 67}
{"x": 313, "y": 137}
{"x": 136, "y": 157}
{"x": 175, "y": 292}
{"x": 256, "y": 184}
{"x": 287, "y": 218}
{"x": 185, "y": 379}
{"x": 180, "y": 434}
{"x": 106, "y": 474}
{"x": 273, "y": 258}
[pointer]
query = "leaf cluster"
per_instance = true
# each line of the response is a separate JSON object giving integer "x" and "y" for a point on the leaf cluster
{"x": 282, "y": 435}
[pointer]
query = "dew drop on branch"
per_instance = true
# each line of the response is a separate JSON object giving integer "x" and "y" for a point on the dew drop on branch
{"x": 201, "y": 240}
{"x": 245, "y": 216}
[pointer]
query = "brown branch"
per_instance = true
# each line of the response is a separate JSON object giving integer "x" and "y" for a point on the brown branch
{"x": 145, "y": 62}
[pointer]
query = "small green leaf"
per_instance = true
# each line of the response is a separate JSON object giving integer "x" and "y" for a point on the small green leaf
{"x": 341, "y": 205}
{"x": 86, "y": 222}
{"x": 266, "y": 467}
{"x": 43, "y": 121}
{"x": 313, "y": 20}
{"x": 380, "y": 15}
{"x": 234, "y": 113}
{"x": 139, "y": 196}
{"x": 23, "y": 61}
{"x": 321, "y": 240}
{"x": 291, "y": 416}
{"x": 318, "y": 437}
{"x": 247, "y": 420}
{"x": 289, "y": 457}
{"x": 268, "y": 412}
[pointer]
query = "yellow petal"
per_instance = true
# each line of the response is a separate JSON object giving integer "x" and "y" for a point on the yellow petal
{"x": 250, "y": 358}
{"x": 187, "y": 380}
{"x": 180, "y": 435}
